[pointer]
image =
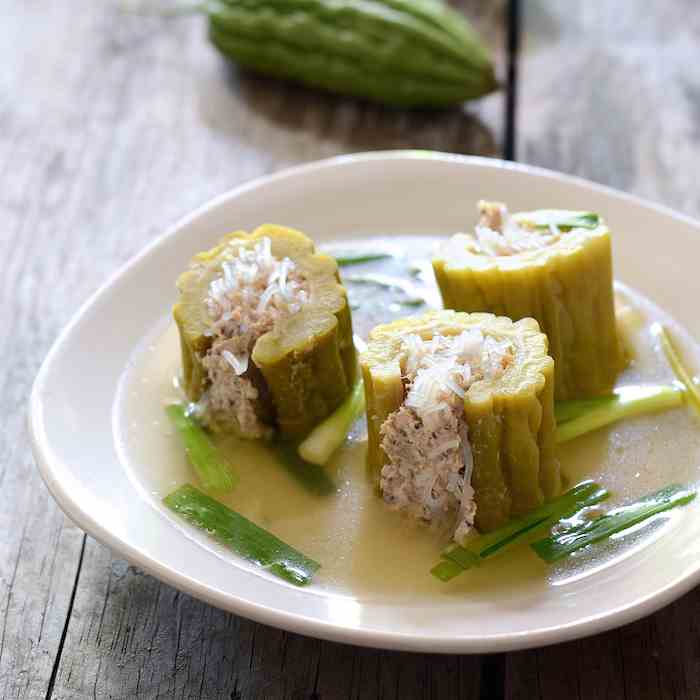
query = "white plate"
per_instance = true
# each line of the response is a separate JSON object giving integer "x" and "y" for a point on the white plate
{"x": 402, "y": 192}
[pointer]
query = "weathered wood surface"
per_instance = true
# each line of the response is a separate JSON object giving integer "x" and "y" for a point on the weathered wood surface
{"x": 111, "y": 127}
{"x": 610, "y": 91}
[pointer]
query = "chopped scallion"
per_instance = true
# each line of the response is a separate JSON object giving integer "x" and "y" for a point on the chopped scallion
{"x": 581, "y": 534}
{"x": 562, "y": 219}
{"x": 241, "y": 535}
{"x": 479, "y": 547}
{"x": 359, "y": 258}
{"x": 406, "y": 287}
{"x": 212, "y": 468}
{"x": 679, "y": 369}
{"x": 564, "y": 411}
{"x": 447, "y": 569}
{"x": 577, "y": 418}
{"x": 320, "y": 444}
{"x": 412, "y": 302}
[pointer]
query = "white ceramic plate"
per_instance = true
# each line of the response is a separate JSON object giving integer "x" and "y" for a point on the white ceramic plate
{"x": 402, "y": 192}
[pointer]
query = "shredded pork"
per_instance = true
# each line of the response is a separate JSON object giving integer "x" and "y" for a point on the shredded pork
{"x": 254, "y": 291}
{"x": 429, "y": 468}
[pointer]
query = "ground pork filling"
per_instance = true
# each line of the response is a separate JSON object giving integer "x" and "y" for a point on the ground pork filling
{"x": 253, "y": 292}
{"x": 428, "y": 474}
{"x": 498, "y": 233}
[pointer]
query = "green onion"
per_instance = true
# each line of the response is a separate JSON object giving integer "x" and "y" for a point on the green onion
{"x": 446, "y": 569}
{"x": 461, "y": 556}
{"x": 583, "y": 495}
{"x": 679, "y": 369}
{"x": 581, "y": 534}
{"x": 212, "y": 468}
{"x": 312, "y": 477}
{"x": 241, "y": 535}
{"x": 360, "y": 344}
{"x": 581, "y": 417}
{"x": 565, "y": 411}
{"x": 358, "y": 258}
{"x": 562, "y": 219}
{"x": 420, "y": 268}
{"x": 320, "y": 444}
{"x": 388, "y": 282}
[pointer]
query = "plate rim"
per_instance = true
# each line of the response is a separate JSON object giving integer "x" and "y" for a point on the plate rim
{"x": 290, "y": 620}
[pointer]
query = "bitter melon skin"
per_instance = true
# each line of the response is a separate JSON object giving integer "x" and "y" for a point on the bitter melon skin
{"x": 567, "y": 287}
{"x": 409, "y": 53}
{"x": 306, "y": 365}
{"x": 511, "y": 425}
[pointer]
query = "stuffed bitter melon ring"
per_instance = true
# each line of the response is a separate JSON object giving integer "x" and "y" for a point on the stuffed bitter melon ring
{"x": 265, "y": 334}
{"x": 554, "y": 266}
{"x": 460, "y": 415}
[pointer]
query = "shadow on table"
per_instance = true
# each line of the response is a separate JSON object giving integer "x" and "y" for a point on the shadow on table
{"x": 291, "y": 122}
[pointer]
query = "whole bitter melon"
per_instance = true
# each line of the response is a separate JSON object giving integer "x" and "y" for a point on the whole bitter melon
{"x": 411, "y": 53}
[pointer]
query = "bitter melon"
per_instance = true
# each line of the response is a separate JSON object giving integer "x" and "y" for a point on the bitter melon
{"x": 554, "y": 266}
{"x": 509, "y": 418}
{"x": 300, "y": 365}
{"x": 411, "y": 53}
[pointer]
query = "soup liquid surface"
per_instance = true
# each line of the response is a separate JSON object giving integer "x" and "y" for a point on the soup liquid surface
{"x": 364, "y": 548}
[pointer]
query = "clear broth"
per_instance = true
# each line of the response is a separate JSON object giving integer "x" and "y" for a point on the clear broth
{"x": 365, "y": 549}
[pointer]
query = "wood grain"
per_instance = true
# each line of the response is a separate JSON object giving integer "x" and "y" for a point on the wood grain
{"x": 132, "y": 637}
{"x": 608, "y": 91}
{"x": 113, "y": 125}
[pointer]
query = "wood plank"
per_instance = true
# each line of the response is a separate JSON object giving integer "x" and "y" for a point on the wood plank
{"x": 607, "y": 92}
{"x": 111, "y": 127}
{"x": 39, "y": 548}
{"x": 131, "y": 636}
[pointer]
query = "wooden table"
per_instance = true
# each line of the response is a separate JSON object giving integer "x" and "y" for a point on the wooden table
{"x": 114, "y": 125}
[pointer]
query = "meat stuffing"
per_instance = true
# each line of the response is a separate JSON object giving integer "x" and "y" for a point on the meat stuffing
{"x": 429, "y": 459}
{"x": 254, "y": 291}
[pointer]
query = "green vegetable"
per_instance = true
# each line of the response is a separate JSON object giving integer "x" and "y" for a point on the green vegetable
{"x": 562, "y": 219}
{"x": 320, "y": 444}
{"x": 311, "y": 476}
{"x": 303, "y": 367}
{"x": 581, "y": 534}
{"x": 679, "y": 369}
{"x": 447, "y": 569}
{"x": 510, "y": 419}
{"x": 211, "y": 466}
{"x": 358, "y": 258}
{"x": 577, "y": 418}
{"x": 564, "y": 411}
{"x": 479, "y": 547}
{"x": 241, "y": 535}
{"x": 412, "y": 53}
{"x": 388, "y": 282}
{"x": 566, "y": 286}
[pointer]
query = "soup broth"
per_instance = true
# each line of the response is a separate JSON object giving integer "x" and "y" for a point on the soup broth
{"x": 364, "y": 548}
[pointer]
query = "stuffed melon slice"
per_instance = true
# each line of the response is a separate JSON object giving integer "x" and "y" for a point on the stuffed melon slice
{"x": 460, "y": 412}
{"x": 551, "y": 265}
{"x": 265, "y": 334}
